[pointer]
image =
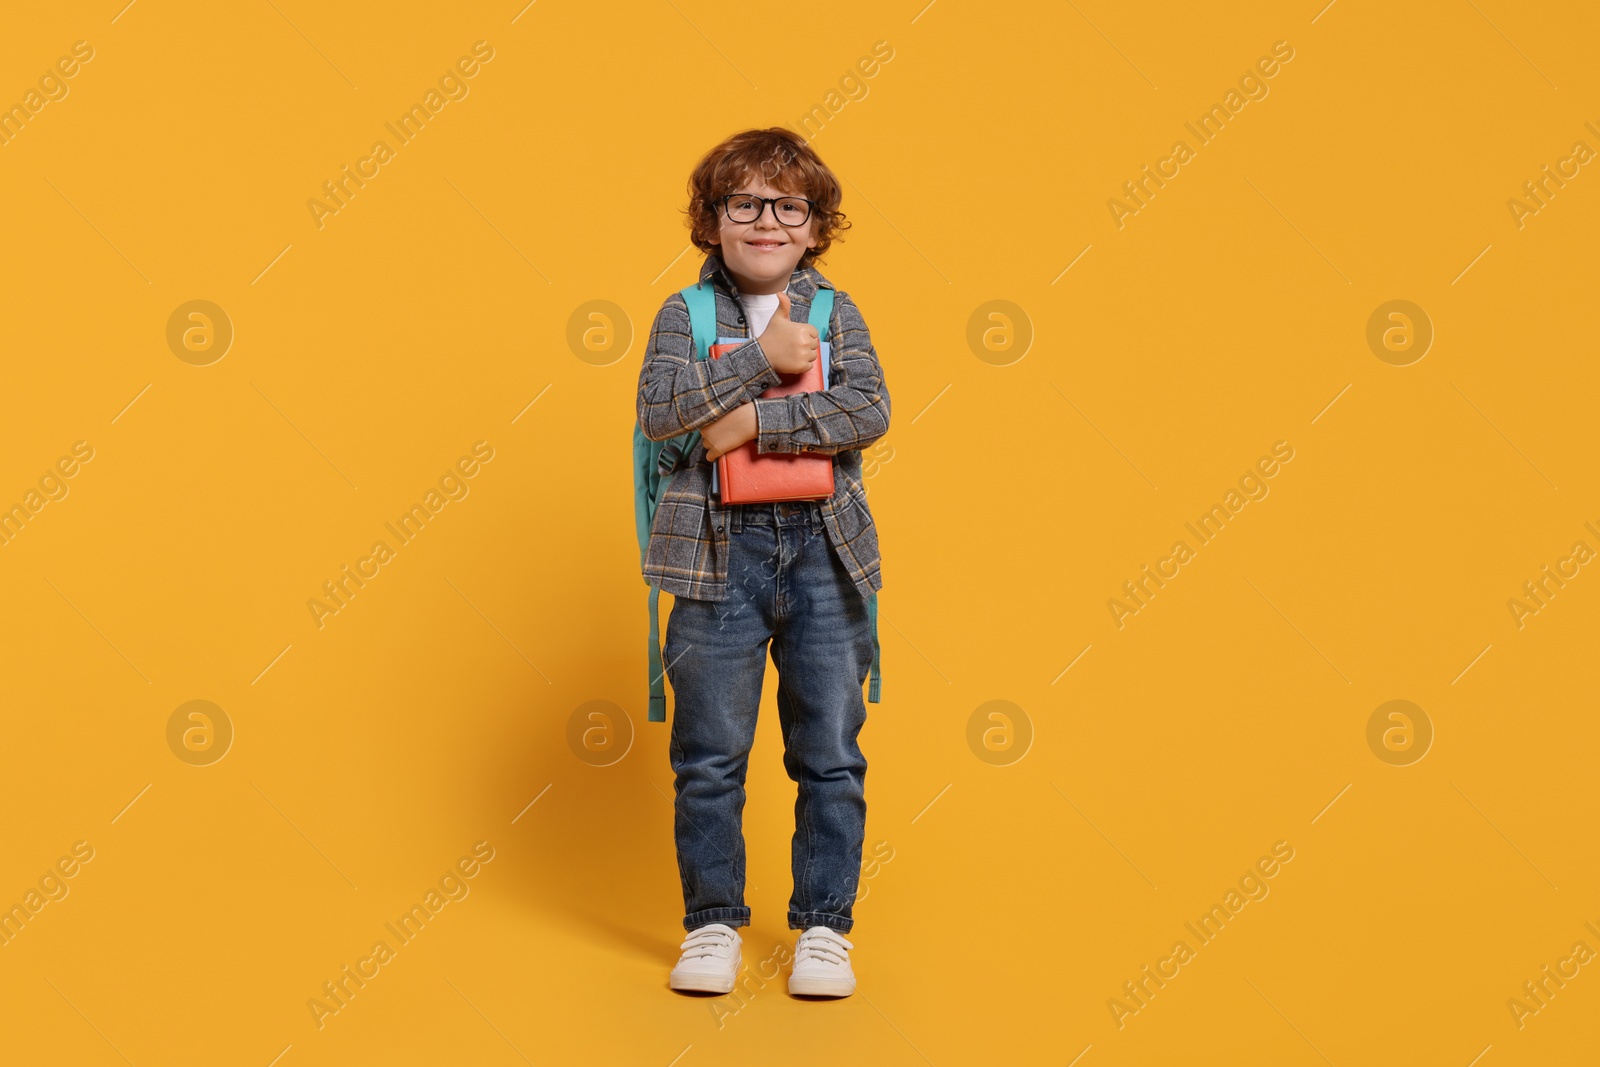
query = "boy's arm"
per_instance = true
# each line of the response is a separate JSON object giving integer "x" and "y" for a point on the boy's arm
{"x": 679, "y": 393}
{"x": 851, "y": 413}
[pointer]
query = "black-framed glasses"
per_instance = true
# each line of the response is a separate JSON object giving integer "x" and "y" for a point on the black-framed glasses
{"x": 746, "y": 207}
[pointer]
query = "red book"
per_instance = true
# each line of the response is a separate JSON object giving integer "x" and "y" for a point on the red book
{"x": 746, "y": 477}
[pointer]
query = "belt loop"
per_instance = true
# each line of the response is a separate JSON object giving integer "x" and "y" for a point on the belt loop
{"x": 735, "y": 516}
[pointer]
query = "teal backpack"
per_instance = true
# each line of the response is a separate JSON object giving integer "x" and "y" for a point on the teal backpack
{"x": 650, "y": 485}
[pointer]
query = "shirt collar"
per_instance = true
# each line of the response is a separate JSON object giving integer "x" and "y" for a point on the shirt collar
{"x": 803, "y": 284}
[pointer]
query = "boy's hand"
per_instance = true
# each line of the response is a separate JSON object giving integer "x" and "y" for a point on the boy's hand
{"x": 730, "y": 431}
{"x": 791, "y": 347}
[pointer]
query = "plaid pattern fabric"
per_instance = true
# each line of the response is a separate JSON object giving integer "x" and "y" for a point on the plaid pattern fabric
{"x": 688, "y": 551}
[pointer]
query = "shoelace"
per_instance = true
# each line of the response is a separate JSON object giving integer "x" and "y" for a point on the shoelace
{"x": 706, "y": 941}
{"x": 824, "y": 945}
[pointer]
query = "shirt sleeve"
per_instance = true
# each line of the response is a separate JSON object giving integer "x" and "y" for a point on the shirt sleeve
{"x": 850, "y": 414}
{"x": 679, "y": 393}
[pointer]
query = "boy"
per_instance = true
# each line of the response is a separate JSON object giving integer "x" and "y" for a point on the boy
{"x": 763, "y": 207}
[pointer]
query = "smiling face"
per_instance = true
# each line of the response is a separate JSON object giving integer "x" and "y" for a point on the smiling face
{"x": 761, "y": 255}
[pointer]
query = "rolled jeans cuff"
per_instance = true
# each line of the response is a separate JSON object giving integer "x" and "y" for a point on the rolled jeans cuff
{"x": 727, "y": 916}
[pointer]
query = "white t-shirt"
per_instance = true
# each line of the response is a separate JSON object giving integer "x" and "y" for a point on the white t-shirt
{"x": 758, "y": 310}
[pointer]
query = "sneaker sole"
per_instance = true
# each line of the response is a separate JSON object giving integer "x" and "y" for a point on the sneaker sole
{"x": 701, "y": 983}
{"x": 820, "y": 987}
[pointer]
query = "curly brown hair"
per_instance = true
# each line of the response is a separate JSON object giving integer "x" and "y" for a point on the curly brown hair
{"x": 776, "y": 155}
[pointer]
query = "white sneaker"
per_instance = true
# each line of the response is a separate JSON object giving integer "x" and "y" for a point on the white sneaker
{"x": 710, "y": 960}
{"x": 822, "y": 964}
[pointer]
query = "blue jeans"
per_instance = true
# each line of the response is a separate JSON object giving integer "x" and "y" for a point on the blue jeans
{"x": 786, "y": 587}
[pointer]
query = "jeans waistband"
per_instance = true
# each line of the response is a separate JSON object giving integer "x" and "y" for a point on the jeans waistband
{"x": 778, "y": 513}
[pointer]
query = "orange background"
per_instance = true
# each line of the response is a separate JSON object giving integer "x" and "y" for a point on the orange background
{"x": 1021, "y": 868}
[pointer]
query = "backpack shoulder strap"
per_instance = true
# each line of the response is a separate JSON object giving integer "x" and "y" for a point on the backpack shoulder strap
{"x": 658, "y": 689}
{"x": 875, "y": 690}
{"x": 702, "y": 301}
{"x": 821, "y": 317}
{"x": 821, "y": 311}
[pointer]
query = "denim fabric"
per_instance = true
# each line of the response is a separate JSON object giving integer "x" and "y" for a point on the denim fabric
{"x": 788, "y": 587}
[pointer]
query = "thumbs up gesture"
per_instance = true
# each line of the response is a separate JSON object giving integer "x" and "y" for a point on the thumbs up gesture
{"x": 791, "y": 347}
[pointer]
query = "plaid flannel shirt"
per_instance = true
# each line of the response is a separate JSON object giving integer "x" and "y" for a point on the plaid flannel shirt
{"x": 688, "y": 551}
